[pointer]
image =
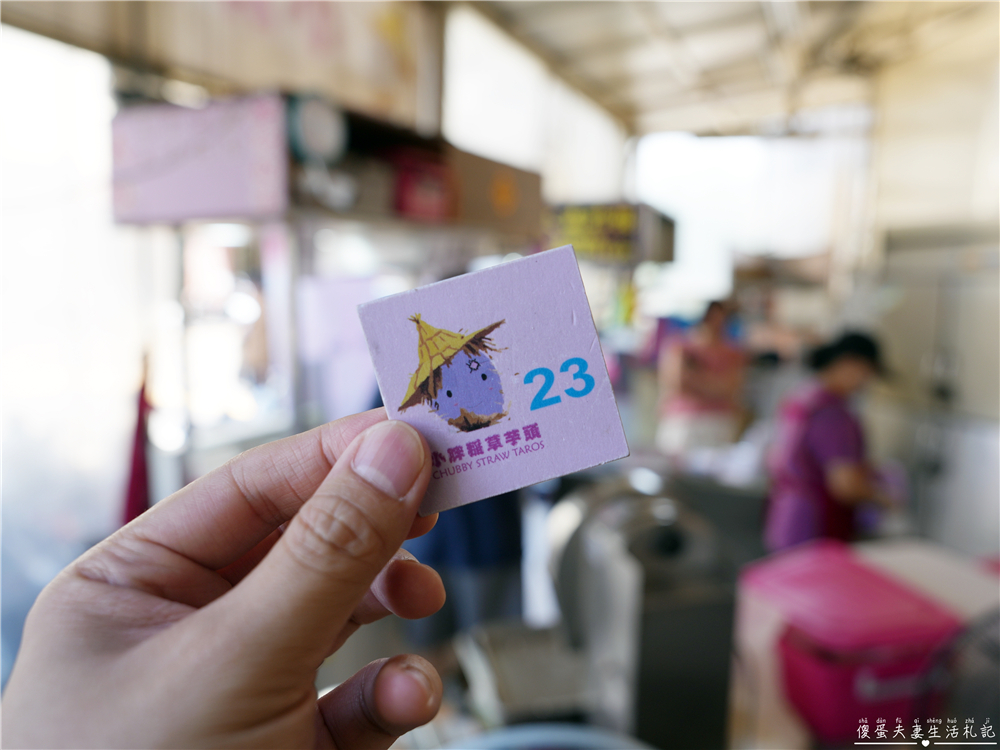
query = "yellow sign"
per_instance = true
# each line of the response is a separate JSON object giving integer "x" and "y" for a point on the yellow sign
{"x": 606, "y": 232}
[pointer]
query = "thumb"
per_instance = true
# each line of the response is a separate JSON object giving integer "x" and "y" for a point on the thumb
{"x": 294, "y": 603}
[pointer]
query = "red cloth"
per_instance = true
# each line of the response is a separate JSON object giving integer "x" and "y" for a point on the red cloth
{"x": 137, "y": 494}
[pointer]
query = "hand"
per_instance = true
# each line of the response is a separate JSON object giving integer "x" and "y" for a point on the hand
{"x": 202, "y": 623}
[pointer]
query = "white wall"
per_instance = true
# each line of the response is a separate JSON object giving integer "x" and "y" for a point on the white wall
{"x": 501, "y": 102}
{"x": 937, "y": 146}
{"x": 938, "y": 165}
{"x": 73, "y": 315}
{"x": 937, "y": 138}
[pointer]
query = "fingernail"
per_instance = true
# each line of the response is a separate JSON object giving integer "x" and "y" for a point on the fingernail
{"x": 390, "y": 457}
{"x": 425, "y": 683}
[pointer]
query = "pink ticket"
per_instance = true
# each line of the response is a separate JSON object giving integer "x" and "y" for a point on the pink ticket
{"x": 501, "y": 370}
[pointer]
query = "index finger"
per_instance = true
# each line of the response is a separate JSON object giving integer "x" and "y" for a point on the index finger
{"x": 226, "y": 513}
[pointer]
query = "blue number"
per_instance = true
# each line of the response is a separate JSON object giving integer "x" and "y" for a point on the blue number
{"x": 581, "y": 374}
{"x": 539, "y": 401}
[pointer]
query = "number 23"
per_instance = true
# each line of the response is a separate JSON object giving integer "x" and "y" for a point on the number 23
{"x": 542, "y": 399}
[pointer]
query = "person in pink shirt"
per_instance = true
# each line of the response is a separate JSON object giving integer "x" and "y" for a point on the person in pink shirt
{"x": 818, "y": 466}
{"x": 701, "y": 379}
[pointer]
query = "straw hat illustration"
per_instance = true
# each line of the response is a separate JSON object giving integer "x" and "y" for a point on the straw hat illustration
{"x": 456, "y": 377}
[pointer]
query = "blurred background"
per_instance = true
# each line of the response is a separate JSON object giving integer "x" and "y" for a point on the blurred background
{"x": 197, "y": 195}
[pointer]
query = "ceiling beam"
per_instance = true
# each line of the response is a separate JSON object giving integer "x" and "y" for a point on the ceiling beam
{"x": 744, "y": 104}
{"x": 620, "y": 85}
{"x": 607, "y": 48}
{"x": 683, "y": 67}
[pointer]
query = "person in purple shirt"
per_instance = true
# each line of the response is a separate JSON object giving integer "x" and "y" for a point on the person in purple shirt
{"x": 818, "y": 467}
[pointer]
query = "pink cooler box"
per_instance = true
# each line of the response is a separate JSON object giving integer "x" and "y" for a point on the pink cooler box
{"x": 858, "y": 644}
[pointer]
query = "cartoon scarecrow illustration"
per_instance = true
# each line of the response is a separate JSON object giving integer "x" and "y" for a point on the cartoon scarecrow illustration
{"x": 456, "y": 377}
